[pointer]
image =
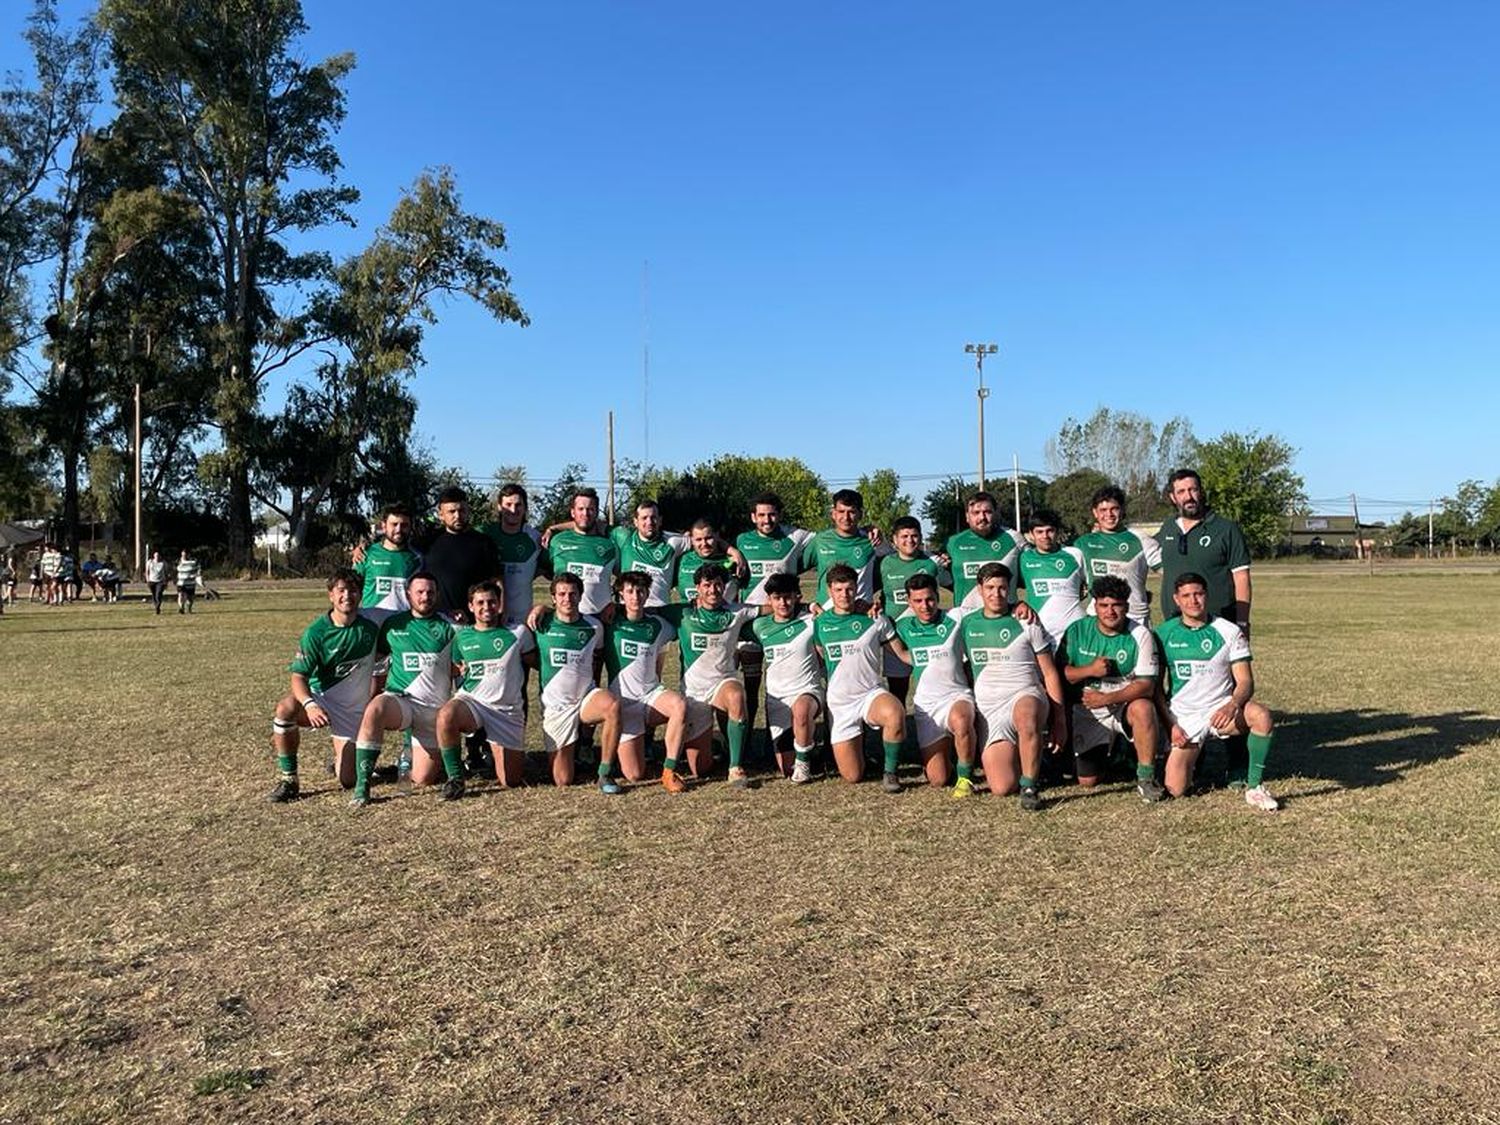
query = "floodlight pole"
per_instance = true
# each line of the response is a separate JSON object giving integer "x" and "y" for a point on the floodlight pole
{"x": 979, "y": 351}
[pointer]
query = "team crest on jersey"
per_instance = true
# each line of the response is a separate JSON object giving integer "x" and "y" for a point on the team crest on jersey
{"x": 1120, "y": 656}
{"x": 857, "y": 626}
{"x": 1205, "y": 540}
{"x": 1207, "y": 645}
{"x": 1124, "y": 548}
{"x": 1059, "y": 564}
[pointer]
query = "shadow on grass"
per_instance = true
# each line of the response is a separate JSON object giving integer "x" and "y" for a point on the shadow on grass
{"x": 1357, "y": 749}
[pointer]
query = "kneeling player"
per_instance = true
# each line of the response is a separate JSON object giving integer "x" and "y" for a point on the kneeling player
{"x": 853, "y": 647}
{"x": 1011, "y": 663}
{"x": 707, "y": 635}
{"x": 634, "y": 643}
{"x": 942, "y": 705}
{"x": 491, "y": 658}
{"x": 419, "y": 645}
{"x": 1208, "y": 659}
{"x": 331, "y": 677}
{"x": 1113, "y": 660}
{"x": 794, "y": 681}
{"x": 569, "y": 655}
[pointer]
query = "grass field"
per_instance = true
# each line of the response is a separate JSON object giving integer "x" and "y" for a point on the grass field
{"x": 176, "y": 949}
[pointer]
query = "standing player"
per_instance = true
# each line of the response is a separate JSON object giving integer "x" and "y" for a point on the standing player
{"x": 188, "y": 573}
{"x": 1016, "y": 685}
{"x": 943, "y": 708}
{"x": 387, "y": 564}
{"x": 490, "y": 656}
{"x": 893, "y": 571}
{"x": 582, "y": 550}
{"x": 1111, "y": 660}
{"x": 983, "y": 542}
{"x": 794, "y": 679}
{"x": 569, "y": 655}
{"x": 519, "y": 548}
{"x": 1200, "y": 541}
{"x": 852, "y": 645}
{"x": 707, "y": 633}
{"x": 331, "y": 676}
{"x": 418, "y": 682}
{"x": 644, "y": 549}
{"x": 707, "y": 547}
{"x": 1112, "y": 549}
{"x": 1208, "y": 661}
{"x": 845, "y": 544}
{"x": 1052, "y": 575}
{"x": 634, "y": 643}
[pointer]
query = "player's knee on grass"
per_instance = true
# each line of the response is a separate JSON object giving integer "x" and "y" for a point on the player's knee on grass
{"x": 1002, "y": 768}
{"x": 935, "y": 762}
{"x": 426, "y": 765}
{"x": 1181, "y": 763}
{"x": 1090, "y": 765}
{"x": 631, "y": 758}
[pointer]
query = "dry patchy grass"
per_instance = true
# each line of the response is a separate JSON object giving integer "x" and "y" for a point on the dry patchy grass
{"x": 175, "y": 949}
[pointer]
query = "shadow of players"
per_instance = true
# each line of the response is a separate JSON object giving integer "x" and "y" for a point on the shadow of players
{"x": 1356, "y": 749}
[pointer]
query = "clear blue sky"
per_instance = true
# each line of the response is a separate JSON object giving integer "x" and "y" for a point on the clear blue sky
{"x": 1277, "y": 217}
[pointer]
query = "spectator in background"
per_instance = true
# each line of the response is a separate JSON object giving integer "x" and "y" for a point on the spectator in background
{"x": 67, "y": 577}
{"x": 91, "y": 567}
{"x": 36, "y": 580}
{"x": 51, "y": 568}
{"x": 156, "y": 579}
{"x": 7, "y": 582}
{"x": 188, "y": 572}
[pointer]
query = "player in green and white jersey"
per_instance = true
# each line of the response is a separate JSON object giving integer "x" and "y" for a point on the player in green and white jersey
{"x": 331, "y": 678}
{"x": 793, "y": 675}
{"x": 520, "y": 550}
{"x": 569, "y": 654}
{"x": 1110, "y": 660}
{"x": 387, "y": 564}
{"x": 491, "y": 659}
{"x": 1052, "y": 575}
{"x": 708, "y": 547}
{"x": 418, "y": 645}
{"x": 584, "y": 551}
{"x": 892, "y": 571}
{"x": 1112, "y": 549}
{"x": 646, "y": 550}
{"x": 1016, "y": 688}
{"x": 845, "y": 544}
{"x": 1211, "y": 689}
{"x": 943, "y": 707}
{"x": 983, "y": 542}
{"x": 853, "y": 645}
{"x": 707, "y": 634}
{"x": 634, "y": 643}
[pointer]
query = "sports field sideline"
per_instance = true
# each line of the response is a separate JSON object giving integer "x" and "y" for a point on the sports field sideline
{"x": 176, "y": 949}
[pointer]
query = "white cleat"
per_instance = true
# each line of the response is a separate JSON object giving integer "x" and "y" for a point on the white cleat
{"x": 1258, "y": 798}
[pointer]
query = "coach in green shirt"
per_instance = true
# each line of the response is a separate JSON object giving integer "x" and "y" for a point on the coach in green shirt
{"x": 1200, "y": 541}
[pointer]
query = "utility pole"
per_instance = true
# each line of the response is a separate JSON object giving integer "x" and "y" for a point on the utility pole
{"x": 137, "y": 547}
{"x": 1429, "y": 529}
{"x": 610, "y": 495}
{"x": 645, "y": 363}
{"x": 1359, "y": 539}
{"x": 1015, "y": 481}
{"x": 979, "y": 351}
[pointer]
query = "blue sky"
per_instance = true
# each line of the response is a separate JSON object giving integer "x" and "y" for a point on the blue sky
{"x": 1275, "y": 217}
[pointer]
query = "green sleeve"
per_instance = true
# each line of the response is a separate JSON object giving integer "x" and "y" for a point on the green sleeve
{"x": 1239, "y": 553}
{"x": 619, "y": 536}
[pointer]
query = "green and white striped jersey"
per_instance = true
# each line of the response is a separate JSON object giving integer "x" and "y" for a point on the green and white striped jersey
{"x": 421, "y": 657}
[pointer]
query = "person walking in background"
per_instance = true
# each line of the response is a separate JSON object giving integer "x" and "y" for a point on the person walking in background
{"x": 156, "y": 578}
{"x": 188, "y": 572}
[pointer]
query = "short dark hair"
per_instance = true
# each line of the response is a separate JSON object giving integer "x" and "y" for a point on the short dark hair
{"x": 783, "y": 583}
{"x": 1183, "y": 474}
{"x": 921, "y": 581}
{"x": 767, "y": 498}
{"x": 1108, "y": 492}
{"x": 980, "y": 497}
{"x": 566, "y": 578}
{"x": 841, "y": 573}
{"x": 422, "y": 575}
{"x": 347, "y": 576}
{"x": 704, "y": 524}
{"x": 1189, "y": 578}
{"x": 712, "y": 572}
{"x": 639, "y": 504}
{"x": 586, "y": 492}
{"x": 849, "y": 499}
{"x": 486, "y": 586}
{"x": 636, "y": 579}
{"x": 452, "y": 495}
{"x": 1043, "y": 517}
{"x": 511, "y": 488}
{"x": 394, "y": 510}
{"x": 1110, "y": 586}
{"x": 907, "y": 523}
{"x": 992, "y": 570}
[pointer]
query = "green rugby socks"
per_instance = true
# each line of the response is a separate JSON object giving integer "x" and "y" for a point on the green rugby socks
{"x": 736, "y": 743}
{"x": 453, "y": 761}
{"x": 1259, "y": 746}
{"x": 365, "y": 754}
{"x": 892, "y": 756}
